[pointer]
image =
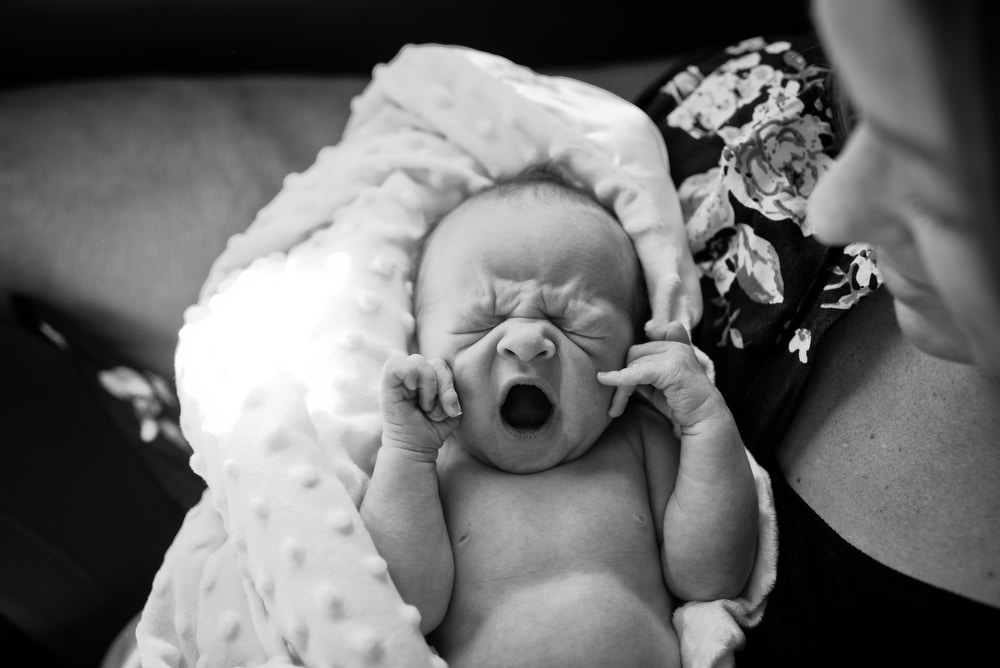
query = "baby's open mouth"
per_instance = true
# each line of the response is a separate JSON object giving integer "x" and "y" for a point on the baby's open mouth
{"x": 526, "y": 407}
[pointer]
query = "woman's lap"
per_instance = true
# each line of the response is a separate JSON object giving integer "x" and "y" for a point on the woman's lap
{"x": 94, "y": 486}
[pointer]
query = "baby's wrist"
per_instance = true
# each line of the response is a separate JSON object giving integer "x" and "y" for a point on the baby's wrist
{"x": 410, "y": 449}
{"x": 706, "y": 413}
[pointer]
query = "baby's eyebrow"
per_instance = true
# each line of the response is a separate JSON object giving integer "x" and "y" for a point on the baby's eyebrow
{"x": 584, "y": 312}
{"x": 475, "y": 309}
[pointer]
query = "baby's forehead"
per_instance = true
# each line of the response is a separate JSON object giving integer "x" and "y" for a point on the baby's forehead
{"x": 549, "y": 238}
{"x": 506, "y": 214}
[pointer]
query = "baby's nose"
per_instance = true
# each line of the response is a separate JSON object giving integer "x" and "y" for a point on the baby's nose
{"x": 526, "y": 340}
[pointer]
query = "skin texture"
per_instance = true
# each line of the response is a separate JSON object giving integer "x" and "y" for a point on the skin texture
{"x": 548, "y": 548}
{"x": 559, "y": 306}
{"x": 559, "y": 567}
{"x": 894, "y": 186}
{"x": 894, "y": 446}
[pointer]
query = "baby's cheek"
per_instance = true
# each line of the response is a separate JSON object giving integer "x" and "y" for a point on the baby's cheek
{"x": 471, "y": 380}
{"x": 602, "y": 398}
{"x": 582, "y": 388}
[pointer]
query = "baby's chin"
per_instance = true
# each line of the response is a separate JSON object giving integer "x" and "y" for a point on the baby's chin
{"x": 524, "y": 453}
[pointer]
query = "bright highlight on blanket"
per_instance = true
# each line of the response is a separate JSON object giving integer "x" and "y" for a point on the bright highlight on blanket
{"x": 278, "y": 363}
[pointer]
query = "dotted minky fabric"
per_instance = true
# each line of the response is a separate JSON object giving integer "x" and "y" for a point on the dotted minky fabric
{"x": 278, "y": 362}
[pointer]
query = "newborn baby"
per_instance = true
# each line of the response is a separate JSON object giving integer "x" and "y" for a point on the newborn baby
{"x": 531, "y": 512}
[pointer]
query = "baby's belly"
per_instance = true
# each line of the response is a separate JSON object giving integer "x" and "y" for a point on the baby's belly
{"x": 573, "y": 620}
{"x": 559, "y": 568}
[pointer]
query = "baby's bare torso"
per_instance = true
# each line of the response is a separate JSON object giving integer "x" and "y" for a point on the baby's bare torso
{"x": 558, "y": 568}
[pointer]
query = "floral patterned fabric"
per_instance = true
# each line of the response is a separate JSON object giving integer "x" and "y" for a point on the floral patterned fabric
{"x": 750, "y": 133}
{"x": 749, "y": 130}
{"x": 142, "y": 404}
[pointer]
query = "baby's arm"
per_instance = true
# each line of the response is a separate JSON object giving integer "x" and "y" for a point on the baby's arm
{"x": 402, "y": 508}
{"x": 710, "y": 521}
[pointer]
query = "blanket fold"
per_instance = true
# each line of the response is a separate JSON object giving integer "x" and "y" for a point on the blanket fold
{"x": 278, "y": 362}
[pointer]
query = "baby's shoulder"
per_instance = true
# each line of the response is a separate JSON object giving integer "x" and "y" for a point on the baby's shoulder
{"x": 643, "y": 417}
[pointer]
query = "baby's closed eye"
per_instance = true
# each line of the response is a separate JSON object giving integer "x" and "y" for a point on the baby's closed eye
{"x": 474, "y": 325}
{"x": 588, "y": 323}
{"x": 582, "y": 331}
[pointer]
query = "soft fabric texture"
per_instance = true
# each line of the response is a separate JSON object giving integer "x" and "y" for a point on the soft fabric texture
{"x": 278, "y": 363}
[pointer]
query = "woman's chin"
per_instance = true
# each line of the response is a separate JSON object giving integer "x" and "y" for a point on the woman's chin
{"x": 938, "y": 336}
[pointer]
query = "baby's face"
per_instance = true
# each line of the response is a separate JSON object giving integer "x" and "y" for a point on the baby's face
{"x": 527, "y": 301}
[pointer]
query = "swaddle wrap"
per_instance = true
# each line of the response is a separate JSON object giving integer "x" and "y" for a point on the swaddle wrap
{"x": 278, "y": 363}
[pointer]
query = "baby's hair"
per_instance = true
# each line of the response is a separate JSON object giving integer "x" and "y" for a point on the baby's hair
{"x": 545, "y": 183}
{"x": 534, "y": 181}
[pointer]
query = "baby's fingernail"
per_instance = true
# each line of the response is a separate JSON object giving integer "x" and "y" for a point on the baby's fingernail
{"x": 455, "y": 409}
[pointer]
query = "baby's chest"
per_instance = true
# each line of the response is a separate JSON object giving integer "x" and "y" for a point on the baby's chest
{"x": 592, "y": 513}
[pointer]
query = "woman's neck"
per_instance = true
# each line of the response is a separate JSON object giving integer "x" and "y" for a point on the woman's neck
{"x": 898, "y": 452}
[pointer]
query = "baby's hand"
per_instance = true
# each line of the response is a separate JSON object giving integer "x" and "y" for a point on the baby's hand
{"x": 419, "y": 404}
{"x": 686, "y": 395}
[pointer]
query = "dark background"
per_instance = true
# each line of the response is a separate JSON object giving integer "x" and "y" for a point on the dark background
{"x": 49, "y": 40}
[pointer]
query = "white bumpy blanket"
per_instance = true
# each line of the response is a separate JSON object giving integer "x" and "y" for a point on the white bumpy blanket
{"x": 278, "y": 363}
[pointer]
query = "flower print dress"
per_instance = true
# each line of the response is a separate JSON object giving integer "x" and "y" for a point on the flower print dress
{"x": 750, "y": 132}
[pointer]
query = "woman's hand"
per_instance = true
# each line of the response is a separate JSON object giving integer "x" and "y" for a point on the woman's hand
{"x": 420, "y": 407}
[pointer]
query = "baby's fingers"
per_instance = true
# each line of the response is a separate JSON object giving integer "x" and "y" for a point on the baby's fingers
{"x": 672, "y": 330}
{"x": 415, "y": 375}
{"x": 447, "y": 404}
{"x": 638, "y": 372}
{"x": 624, "y": 387}
{"x": 620, "y": 400}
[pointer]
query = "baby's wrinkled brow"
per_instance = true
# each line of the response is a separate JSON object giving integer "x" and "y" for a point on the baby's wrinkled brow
{"x": 477, "y": 307}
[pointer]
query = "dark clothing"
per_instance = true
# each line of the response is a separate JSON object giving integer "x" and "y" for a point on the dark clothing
{"x": 833, "y": 605}
{"x": 749, "y": 130}
{"x": 94, "y": 483}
